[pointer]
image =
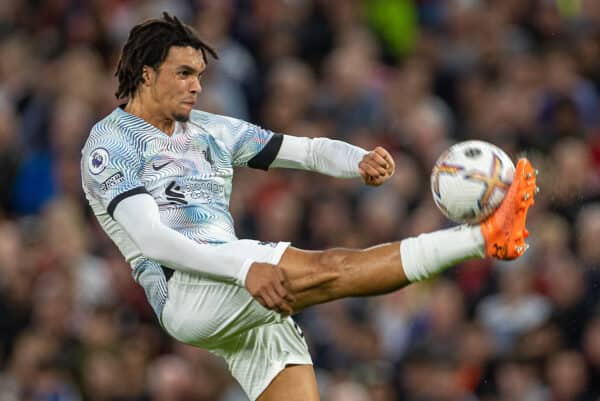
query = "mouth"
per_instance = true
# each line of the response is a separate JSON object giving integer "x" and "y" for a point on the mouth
{"x": 190, "y": 103}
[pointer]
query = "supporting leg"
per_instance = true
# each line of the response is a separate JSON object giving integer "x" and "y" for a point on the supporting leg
{"x": 294, "y": 383}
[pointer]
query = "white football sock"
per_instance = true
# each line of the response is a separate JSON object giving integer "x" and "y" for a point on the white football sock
{"x": 428, "y": 254}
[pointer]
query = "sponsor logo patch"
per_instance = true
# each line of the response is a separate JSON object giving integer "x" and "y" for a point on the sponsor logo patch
{"x": 98, "y": 160}
{"x": 111, "y": 181}
{"x": 158, "y": 167}
{"x": 174, "y": 196}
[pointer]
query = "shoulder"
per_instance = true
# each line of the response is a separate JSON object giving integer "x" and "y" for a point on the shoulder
{"x": 106, "y": 131}
{"x": 201, "y": 116}
{"x": 216, "y": 124}
{"x": 109, "y": 140}
{"x": 119, "y": 131}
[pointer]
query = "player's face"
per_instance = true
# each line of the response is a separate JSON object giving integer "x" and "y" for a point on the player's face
{"x": 177, "y": 83}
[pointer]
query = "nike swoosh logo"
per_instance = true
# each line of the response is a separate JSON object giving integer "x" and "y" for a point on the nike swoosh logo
{"x": 158, "y": 167}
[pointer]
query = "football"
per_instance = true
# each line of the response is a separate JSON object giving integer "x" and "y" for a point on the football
{"x": 470, "y": 180}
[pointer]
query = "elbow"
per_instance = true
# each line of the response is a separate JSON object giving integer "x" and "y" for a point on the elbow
{"x": 149, "y": 252}
{"x": 148, "y": 242}
{"x": 150, "y": 249}
{"x": 145, "y": 246}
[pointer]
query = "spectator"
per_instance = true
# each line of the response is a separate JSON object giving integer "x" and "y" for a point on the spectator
{"x": 521, "y": 74}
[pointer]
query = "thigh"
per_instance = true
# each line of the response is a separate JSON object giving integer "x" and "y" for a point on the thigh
{"x": 294, "y": 383}
{"x": 258, "y": 356}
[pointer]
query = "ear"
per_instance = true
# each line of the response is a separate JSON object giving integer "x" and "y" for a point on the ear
{"x": 147, "y": 75}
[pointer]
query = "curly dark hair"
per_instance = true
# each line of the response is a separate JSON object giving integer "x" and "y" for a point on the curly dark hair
{"x": 148, "y": 44}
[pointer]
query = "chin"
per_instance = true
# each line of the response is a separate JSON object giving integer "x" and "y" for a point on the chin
{"x": 182, "y": 118}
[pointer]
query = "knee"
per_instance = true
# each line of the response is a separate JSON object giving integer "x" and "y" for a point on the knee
{"x": 319, "y": 271}
{"x": 322, "y": 278}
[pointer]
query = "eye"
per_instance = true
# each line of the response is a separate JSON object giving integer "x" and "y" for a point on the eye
{"x": 183, "y": 74}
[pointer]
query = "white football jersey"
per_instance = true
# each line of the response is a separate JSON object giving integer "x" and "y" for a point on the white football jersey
{"x": 189, "y": 174}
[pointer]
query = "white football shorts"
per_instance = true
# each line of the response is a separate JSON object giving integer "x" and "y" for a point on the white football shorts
{"x": 257, "y": 343}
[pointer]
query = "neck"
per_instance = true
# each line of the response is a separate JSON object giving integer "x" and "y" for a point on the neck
{"x": 151, "y": 115}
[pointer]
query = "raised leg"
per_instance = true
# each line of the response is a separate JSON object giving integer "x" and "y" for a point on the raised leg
{"x": 320, "y": 276}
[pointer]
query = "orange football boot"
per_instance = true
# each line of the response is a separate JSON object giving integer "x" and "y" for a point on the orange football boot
{"x": 504, "y": 231}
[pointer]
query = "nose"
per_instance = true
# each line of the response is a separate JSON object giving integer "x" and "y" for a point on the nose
{"x": 195, "y": 86}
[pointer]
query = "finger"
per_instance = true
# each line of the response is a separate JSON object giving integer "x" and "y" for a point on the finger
{"x": 374, "y": 163}
{"x": 380, "y": 150}
{"x": 380, "y": 180}
{"x": 388, "y": 157}
{"x": 286, "y": 310}
{"x": 261, "y": 301}
{"x": 283, "y": 287}
{"x": 279, "y": 303}
{"x": 385, "y": 155}
{"x": 380, "y": 160}
{"x": 282, "y": 275}
{"x": 382, "y": 170}
{"x": 269, "y": 301}
{"x": 366, "y": 169}
{"x": 284, "y": 293}
{"x": 375, "y": 182}
{"x": 370, "y": 170}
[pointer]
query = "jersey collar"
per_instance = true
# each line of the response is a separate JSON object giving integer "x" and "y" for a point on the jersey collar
{"x": 120, "y": 110}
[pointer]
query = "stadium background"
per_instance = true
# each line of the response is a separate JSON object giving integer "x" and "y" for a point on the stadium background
{"x": 414, "y": 76}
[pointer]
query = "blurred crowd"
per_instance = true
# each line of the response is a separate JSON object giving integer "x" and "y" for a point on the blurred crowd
{"x": 413, "y": 76}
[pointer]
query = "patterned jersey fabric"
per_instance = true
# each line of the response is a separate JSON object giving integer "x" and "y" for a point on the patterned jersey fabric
{"x": 189, "y": 174}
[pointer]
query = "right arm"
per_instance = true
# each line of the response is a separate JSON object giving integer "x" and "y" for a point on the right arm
{"x": 139, "y": 217}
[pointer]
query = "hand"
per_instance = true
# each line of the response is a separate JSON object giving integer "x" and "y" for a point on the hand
{"x": 376, "y": 167}
{"x": 267, "y": 284}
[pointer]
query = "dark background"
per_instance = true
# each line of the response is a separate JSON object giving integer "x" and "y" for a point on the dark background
{"x": 413, "y": 76}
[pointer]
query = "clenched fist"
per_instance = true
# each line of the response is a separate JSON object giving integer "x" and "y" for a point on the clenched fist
{"x": 376, "y": 167}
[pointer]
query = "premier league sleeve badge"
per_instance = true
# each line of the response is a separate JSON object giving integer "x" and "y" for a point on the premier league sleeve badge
{"x": 98, "y": 161}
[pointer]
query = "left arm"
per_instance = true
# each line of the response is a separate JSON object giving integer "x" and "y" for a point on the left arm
{"x": 334, "y": 158}
{"x": 252, "y": 146}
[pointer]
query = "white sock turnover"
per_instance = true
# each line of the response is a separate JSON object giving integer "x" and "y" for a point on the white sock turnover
{"x": 428, "y": 254}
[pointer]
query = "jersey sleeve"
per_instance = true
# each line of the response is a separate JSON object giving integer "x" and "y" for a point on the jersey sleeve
{"x": 111, "y": 171}
{"x": 249, "y": 144}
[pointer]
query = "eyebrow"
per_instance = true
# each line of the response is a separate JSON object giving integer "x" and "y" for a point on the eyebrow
{"x": 190, "y": 68}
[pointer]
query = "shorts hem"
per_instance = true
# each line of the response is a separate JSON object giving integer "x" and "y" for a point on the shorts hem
{"x": 274, "y": 372}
